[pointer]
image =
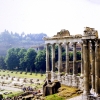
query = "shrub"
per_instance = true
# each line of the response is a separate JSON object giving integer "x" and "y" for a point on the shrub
{"x": 21, "y": 72}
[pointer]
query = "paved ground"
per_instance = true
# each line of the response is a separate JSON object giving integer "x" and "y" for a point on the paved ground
{"x": 76, "y": 98}
{"x": 10, "y": 88}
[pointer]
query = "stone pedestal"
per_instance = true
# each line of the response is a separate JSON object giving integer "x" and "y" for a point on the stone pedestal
{"x": 81, "y": 84}
{"x": 59, "y": 77}
{"x": 66, "y": 79}
{"x": 74, "y": 81}
{"x": 53, "y": 76}
{"x": 70, "y": 80}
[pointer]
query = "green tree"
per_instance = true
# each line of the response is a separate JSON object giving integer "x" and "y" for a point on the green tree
{"x": 12, "y": 59}
{"x": 70, "y": 56}
{"x": 40, "y": 60}
{"x": 2, "y": 63}
{"x": 30, "y": 59}
{"x": 22, "y": 61}
{"x": 78, "y": 55}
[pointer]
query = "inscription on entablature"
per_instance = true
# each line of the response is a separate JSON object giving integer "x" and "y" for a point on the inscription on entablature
{"x": 63, "y": 32}
{"x": 90, "y": 32}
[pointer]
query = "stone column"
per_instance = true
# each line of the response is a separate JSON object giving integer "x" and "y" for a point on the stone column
{"x": 96, "y": 68}
{"x": 86, "y": 67}
{"x": 59, "y": 61}
{"x": 48, "y": 76}
{"x": 53, "y": 59}
{"x": 82, "y": 67}
{"x": 74, "y": 58}
{"x": 67, "y": 58}
{"x": 92, "y": 58}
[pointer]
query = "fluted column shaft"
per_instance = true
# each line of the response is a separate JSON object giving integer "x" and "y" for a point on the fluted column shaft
{"x": 96, "y": 67}
{"x": 59, "y": 58}
{"x": 86, "y": 67}
{"x": 92, "y": 53}
{"x": 74, "y": 58}
{"x": 67, "y": 58}
{"x": 82, "y": 67}
{"x": 53, "y": 57}
{"x": 47, "y": 58}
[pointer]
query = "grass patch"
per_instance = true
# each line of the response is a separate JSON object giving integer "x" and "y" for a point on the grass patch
{"x": 23, "y": 75}
{"x": 54, "y": 97}
{"x": 65, "y": 92}
{"x": 68, "y": 92}
{"x": 12, "y": 94}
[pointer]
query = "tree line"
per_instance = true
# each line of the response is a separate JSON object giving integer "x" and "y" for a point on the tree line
{"x": 29, "y": 60}
{"x": 16, "y": 40}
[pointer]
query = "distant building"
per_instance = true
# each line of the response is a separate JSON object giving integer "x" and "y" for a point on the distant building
{"x": 38, "y": 47}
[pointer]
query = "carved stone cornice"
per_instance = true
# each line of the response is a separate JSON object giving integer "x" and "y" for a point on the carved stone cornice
{"x": 90, "y": 32}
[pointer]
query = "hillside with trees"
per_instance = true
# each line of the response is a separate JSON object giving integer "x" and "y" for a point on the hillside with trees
{"x": 15, "y": 40}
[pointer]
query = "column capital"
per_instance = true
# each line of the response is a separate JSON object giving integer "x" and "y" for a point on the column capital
{"x": 85, "y": 42}
{"x": 74, "y": 42}
{"x": 53, "y": 44}
{"x": 81, "y": 43}
{"x": 97, "y": 43}
{"x": 47, "y": 43}
{"x": 59, "y": 43}
{"x": 66, "y": 43}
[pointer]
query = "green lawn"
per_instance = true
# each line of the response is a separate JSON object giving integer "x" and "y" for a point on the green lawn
{"x": 23, "y": 75}
{"x": 12, "y": 94}
{"x": 54, "y": 97}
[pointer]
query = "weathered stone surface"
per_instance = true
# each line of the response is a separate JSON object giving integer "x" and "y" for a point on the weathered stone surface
{"x": 51, "y": 88}
{"x": 90, "y": 31}
{"x": 90, "y": 45}
{"x": 63, "y": 32}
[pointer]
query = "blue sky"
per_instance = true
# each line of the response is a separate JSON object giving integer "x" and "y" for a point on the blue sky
{"x": 49, "y": 16}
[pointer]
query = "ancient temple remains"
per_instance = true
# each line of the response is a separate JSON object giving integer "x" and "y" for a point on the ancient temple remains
{"x": 89, "y": 80}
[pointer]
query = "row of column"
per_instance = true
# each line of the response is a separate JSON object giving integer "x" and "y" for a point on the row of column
{"x": 60, "y": 58}
{"x": 91, "y": 66}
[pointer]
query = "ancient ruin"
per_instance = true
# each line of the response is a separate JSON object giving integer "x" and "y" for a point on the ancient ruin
{"x": 89, "y": 80}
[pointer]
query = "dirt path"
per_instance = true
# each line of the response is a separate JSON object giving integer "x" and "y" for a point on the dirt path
{"x": 10, "y": 88}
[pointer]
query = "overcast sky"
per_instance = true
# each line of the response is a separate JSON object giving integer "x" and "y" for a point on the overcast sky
{"x": 49, "y": 16}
